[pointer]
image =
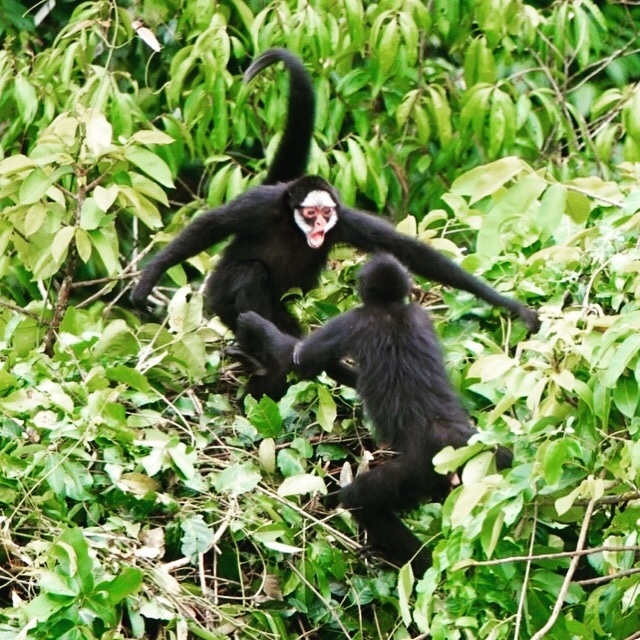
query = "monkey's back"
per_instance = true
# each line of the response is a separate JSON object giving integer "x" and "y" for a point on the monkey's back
{"x": 402, "y": 377}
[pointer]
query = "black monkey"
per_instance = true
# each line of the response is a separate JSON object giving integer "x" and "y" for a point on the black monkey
{"x": 282, "y": 234}
{"x": 405, "y": 391}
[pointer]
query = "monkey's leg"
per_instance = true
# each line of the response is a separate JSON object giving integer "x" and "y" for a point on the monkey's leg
{"x": 374, "y": 496}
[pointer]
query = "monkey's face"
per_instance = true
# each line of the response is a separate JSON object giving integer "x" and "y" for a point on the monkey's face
{"x": 315, "y": 215}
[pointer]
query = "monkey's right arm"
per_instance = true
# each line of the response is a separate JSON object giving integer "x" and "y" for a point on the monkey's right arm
{"x": 261, "y": 339}
{"x": 280, "y": 352}
{"x": 250, "y": 212}
{"x": 324, "y": 349}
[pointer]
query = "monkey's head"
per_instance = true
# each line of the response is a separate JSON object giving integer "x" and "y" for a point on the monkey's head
{"x": 314, "y": 203}
{"x": 383, "y": 280}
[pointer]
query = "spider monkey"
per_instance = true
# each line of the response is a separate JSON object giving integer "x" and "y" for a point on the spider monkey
{"x": 282, "y": 234}
{"x": 405, "y": 391}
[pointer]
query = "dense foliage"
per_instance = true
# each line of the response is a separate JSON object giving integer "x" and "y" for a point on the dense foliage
{"x": 139, "y": 499}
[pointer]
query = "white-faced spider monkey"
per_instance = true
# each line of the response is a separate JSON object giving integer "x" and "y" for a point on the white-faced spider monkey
{"x": 405, "y": 391}
{"x": 282, "y": 232}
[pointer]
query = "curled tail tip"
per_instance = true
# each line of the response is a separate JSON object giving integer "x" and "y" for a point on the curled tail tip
{"x": 269, "y": 57}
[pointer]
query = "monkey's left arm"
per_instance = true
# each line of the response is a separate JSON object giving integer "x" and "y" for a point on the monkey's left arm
{"x": 324, "y": 348}
{"x": 366, "y": 231}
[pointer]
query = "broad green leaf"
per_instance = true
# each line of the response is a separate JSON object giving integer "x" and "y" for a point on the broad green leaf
{"x": 358, "y": 161}
{"x": 450, "y": 459}
{"x": 265, "y": 417}
{"x": 491, "y": 530}
{"x": 151, "y": 136}
{"x": 59, "y": 585}
{"x": 198, "y": 536}
{"x": 150, "y": 163}
{"x": 281, "y": 547}
{"x": 61, "y": 242}
{"x": 104, "y": 198}
{"x": 487, "y": 179}
{"x": 14, "y": 164}
{"x": 466, "y": 501}
{"x": 624, "y": 354}
{"x": 36, "y": 215}
{"x": 491, "y": 367}
{"x": 626, "y": 397}
{"x": 326, "y": 412}
{"x": 98, "y": 133}
{"x": 406, "y": 582}
{"x": 302, "y": 484}
{"x": 125, "y": 584}
{"x": 105, "y": 242}
{"x": 388, "y": 45}
{"x": 291, "y": 462}
{"x": 91, "y": 215}
{"x": 408, "y": 226}
{"x": 267, "y": 455}
{"x": 26, "y": 99}
{"x": 126, "y": 375}
{"x": 183, "y": 460}
{"x": 552, "y": 206}
{"x": 238, "y": 479}
{"x": 34, "y": 187}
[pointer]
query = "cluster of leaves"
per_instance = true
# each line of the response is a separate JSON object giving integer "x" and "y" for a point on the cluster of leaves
{"x": 137, "y": 500}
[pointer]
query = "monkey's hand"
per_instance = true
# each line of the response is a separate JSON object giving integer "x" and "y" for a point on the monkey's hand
{"x": 264, "y": 341}
{"x": 139, "y": 296}
{"x": 529, "y": 317}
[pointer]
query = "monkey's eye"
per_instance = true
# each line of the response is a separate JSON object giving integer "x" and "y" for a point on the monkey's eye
{"x": 311, "y": 213}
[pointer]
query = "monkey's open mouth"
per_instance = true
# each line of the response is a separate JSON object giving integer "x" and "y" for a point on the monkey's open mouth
{"x": 315, "y": 239}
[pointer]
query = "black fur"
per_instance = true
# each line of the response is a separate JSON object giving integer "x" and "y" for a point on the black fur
{"x": 292, "y": 155}
{"x": 269, "y": 255}
{"x": 405, "y": 391}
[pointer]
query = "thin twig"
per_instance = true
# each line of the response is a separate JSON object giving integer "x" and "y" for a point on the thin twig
{"x": 525, "y": 582}
{"x": 553, "y": 556}
{"x": 573, "y": 565}
{"x": 613, "y": 576}
{"x": 17, "y": 309}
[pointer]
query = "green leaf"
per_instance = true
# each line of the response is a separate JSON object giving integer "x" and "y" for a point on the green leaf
{"x": 626, "y": 396}
{"x": 34, "y": 187}
{"x": 267, "y": 455}
{"x": 26, "y": 99}
{"x": 98, "y": 133}
{"x": 388, "y": 45}
{"x": 238, "y": 479}
{"x": 623, "y": 355}
{"x": 327, "y": 411}
{"x": 105, "y": 242}
{"x": 197, "y": 538}
{"x": 265, "y": 417}
{"x": 33, "y": 221}
{"x": 61, "y": 242}
{"x": 104, "y": 198}
{"x": 128, "y": 376}
{"x": 302, "y": 484}
{"x": 552, "y": 206}
{"x": 487, "y": 179}
{"x": 466, "y": 500}
{"x": 151, "y": 136}
{"x": 151, "y": 164}
{"x": 91, "y": 215}
{"x": 406, "y": 582}
{"x": 59, "y": 585}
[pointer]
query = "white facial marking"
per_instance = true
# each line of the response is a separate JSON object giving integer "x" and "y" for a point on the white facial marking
{"x": 315, "y": 215}
{"x": 318, "y": 199}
